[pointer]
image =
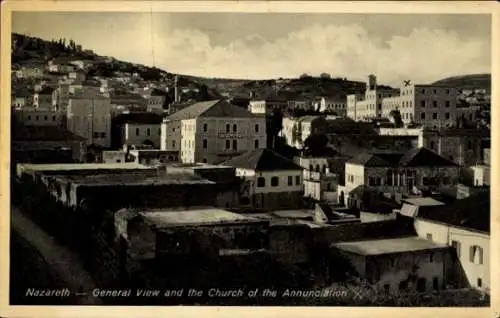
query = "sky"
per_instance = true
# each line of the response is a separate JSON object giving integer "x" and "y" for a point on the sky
{"x": 395, "y": 47}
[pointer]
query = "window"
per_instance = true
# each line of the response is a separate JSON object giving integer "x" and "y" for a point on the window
{"x": 235, "y": 128}
{"x": 434, "y": 116}
{"x": 476, "y": 254}
{"x": 447, "y": 103}
{"x": 290, "y": 180}
{"x": 388, "y": 178}
{"x": 29, "y": 117}
{"x": 256, "y": 144}
{"x": 96, "y": 135}
{"x": 435, "y": 283}
{"x": 422, "y": 115}
{"x": 148, "y": 131}
{"x": 447, "y": 91}
{"x": 103, "y": 135}
{"x": 274, "y": 182}
{"x": 435, "y": 92}
{"x": 205, "y": 127}
{"x": 447, "y": 116}
{"x": 371, "y": 181}
{"x": 434, "y": 103}
{"x": 311, "y": 167}
{"x": 378, "y": 181}
{"x": 235, "y": 144}
{"x": 228, "y": 144}
{"x": 37, "y": 118}
{"x": 469, "y": 145}
{"x": 261, "y": 182}
{"x": 204, "y": 160}
{"x": 479, "y": 282}
{"x": 118, "y": 160}
{"x": 431, "y": 256}
{"x": 422, "y": 103}
{"x": 54, "y": 118}
{"x": 173, "y": 143}
{"x": 205, "y": 144}
{"x": 256, "y": 128}
{"x": 432, "y": 144}
{"x": 429, "y": 236}
{"x": 456, "y": 246}
{"x": 227, "y": 128}
{"x": 137, "y": 131}
{"x": 45, "y": 118}
{"x": 297, "y": 180}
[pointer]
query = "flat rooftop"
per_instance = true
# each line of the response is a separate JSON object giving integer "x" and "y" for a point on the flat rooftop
{"x": 133, "y": 179}
{"x": 203, "y": 216}
{"x": 294, "y": 214}
{"x": 388, "y": 246}
{"x": 81, "y": 166}
{"x": 423, "y": 201}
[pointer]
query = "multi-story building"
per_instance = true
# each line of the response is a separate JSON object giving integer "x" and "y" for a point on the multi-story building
{"x": 465, "y": 226}
{"x": 465, "y": 147}
{"x": 297, "y": 129}
{"x": 271, "y": 181}
{"x": 432, "y": 106}
{"x": 89, "y": 116}
{"x": 335, "y": 105}
{"x": 154, "y": 103}
{"x": 399, "y": 173}
{"x": 39, "y": 117}
{"x": 139, "y": 129}
{"x": 212, "y": 132}
{"x": 352, "y": 101}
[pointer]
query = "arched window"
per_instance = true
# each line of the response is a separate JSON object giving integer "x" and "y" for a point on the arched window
{"x": 235, "y": 144}
{"x": 388, "y": 178}
{"x": 235, "y": 128}
{"x": 205, "y": 144}
{"x": 261, "y": 182}
{"x": 317, "y": 168}
{"x": 227, "y": 128}
{"x": 311, "y": 168}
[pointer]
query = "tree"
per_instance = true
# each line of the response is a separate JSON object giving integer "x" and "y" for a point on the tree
{"x": 274, "y": 123}
{"x": 316, "y": 144}
{"x": 396, "y": 116}
{"x": 325, "y": 76}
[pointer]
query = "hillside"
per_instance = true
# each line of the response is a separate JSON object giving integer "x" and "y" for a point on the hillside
{"x": 26, "y": 49}
{"x": 482, "y": 81}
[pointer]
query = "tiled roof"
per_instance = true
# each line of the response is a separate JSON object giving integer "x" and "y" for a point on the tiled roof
{"x": 417, "y": 157}
{"x": 262, "y": 160}
{"x": 471, "y": 213}
{"x": 138, "y": 118}
{"x": 214, "y": 108}
{"x": 420, "y": 157}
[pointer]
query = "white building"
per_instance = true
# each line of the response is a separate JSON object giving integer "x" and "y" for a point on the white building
{"x": 465, "y": 226}
{"x": 89, "y": 116}
{"x": 296, "y": 129}
{"x": 142, "y": 130}
{"x": 212, "y": 132}
{"x": 331, "y": 104}
{"x": 272, "y": 181}
{"x": 398, "y": 173}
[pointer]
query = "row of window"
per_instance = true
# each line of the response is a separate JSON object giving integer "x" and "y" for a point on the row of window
{"x": 228, "y": 144}
{"x": 435, "y": 116}
{"x": 54, "y": 118}
{"x": 148, "y": 132}
{"x": 476, "y": 252}
{"x": 228, "y": 128}
{"x": 99, "y": 135}
{"x": 275, "y": 181}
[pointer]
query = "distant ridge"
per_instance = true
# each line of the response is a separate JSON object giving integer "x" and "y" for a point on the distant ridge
{"x": 467, "y": 81}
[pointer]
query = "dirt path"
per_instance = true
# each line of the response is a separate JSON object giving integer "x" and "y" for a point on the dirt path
{"x": 65, "y": 264}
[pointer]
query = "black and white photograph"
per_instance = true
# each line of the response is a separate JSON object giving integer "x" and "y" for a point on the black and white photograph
{"x": 269, "y": 158}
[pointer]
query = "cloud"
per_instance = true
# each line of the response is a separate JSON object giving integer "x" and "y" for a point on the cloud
{"x": 424, "y": 55}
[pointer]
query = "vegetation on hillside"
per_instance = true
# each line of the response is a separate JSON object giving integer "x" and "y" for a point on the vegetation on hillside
{"x": 473, "y": 81}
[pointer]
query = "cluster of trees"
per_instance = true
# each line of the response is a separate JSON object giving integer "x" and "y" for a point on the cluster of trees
{"x": 24, "y": 47}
